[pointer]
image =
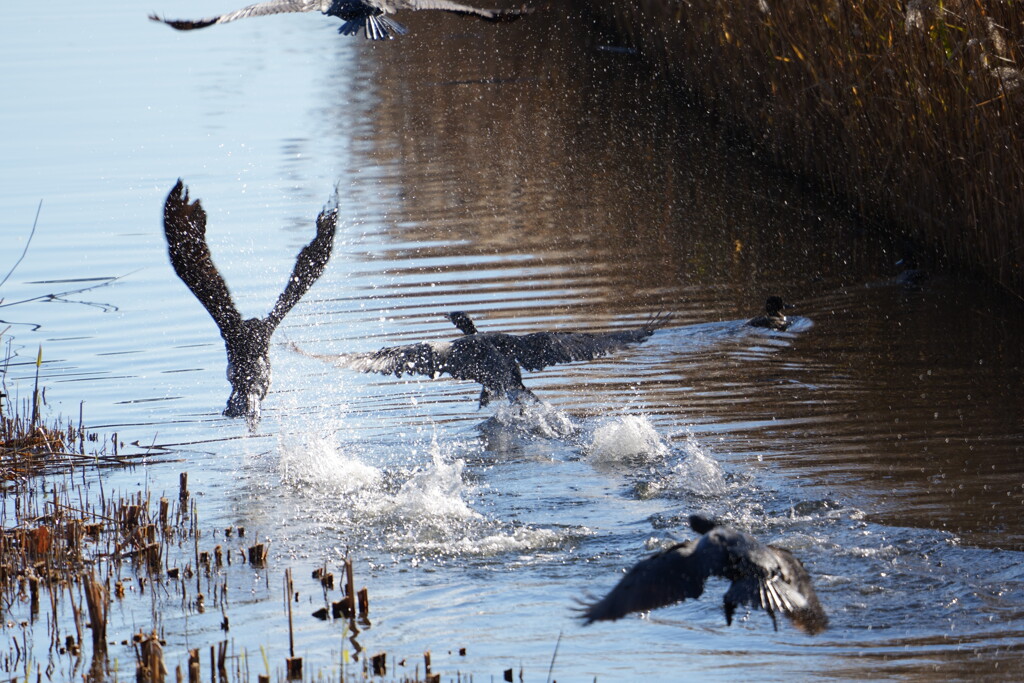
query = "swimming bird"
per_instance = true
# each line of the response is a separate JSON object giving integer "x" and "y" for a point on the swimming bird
{"x": 763, "y": 576}
{"x": 370, "y": 16}
{"x": 247, "y": 342}
{"x": 493, "y": 359}
{"x": 773, "y": 317}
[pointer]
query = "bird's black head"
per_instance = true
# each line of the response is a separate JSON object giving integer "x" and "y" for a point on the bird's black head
{"x": 702, "y": 524}
{"x": 774, "y": 305}
{"x": 462, "y": 321}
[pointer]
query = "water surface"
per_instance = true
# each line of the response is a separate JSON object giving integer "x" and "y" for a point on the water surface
{"x": 528, "y": 175}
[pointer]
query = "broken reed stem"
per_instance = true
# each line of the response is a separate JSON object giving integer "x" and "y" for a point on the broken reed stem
{"x": 293, "y": 664}
{"x": 97, "y": 600}
{"x": 150, "y": 667}
{"x": 379, "y": 664}
{"x": 222, "y": 658}
{"x": 289, "y": 591}
{"x": 194, "y": 666}
{"x": 364, "y": 605}
{"x": 35, "y": 391}
{"x": 350, "y": 587}
{"x": 554, "y": 656}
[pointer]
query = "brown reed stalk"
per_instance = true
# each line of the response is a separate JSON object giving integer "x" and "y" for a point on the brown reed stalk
{"x": 35, "y": 390}
{"x": 97, "y": 600}
{"x": 150, "y": 666}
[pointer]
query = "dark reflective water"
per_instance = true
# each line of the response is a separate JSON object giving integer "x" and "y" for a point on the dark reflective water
{"x": 526, "y": 175}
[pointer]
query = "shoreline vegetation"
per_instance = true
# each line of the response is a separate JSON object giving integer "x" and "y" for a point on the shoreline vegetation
{"x": 909, "y": 113}
{"x": 94, "y": 584}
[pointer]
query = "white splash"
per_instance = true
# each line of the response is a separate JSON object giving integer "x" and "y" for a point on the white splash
{"x": 316, "y": 462}
{"x": 535, "y": 418}
{"x": 434, "y": 492}
{"x": 626, "y": 437}
{"x": 425, "y": 511}
{"x": 522, "y": 540}
{"x": 697, "y": 472}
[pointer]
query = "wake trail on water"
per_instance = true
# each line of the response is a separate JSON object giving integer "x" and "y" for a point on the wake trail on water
{"x": 428, "y": 510}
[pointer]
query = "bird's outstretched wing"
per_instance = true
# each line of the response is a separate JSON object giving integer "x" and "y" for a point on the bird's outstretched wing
{"x": 777, "y": 583}
{"x": 185, "y": 229}
{"x": 459, "y": 8}
{"x": 309, "y": 265}
{"x": 413, "y": 359}
{"x": 470, "y": 358}
{"x": 664, "y": 578}
{"x": 256, "y": 10}
{"x": 538, "y": 350}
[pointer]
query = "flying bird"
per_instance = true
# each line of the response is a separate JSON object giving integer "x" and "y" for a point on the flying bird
{"x": 247, "y": 341}
{"x": 763, "y": 576}
{"x": 493, "y": 359}
{"x": 370, "y": 16}
{"x": 773, "y": 318}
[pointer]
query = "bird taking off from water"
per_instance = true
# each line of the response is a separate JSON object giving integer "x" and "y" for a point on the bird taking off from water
{"x": 370, "y": 16}
{"x": 247, "y": 341}
{"x": 763, "y": 576}
{"x": 773, "y": 318}
{"x": 493, "y": 359}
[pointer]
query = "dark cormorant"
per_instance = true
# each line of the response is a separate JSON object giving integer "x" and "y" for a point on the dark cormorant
{"x": 492, "y": 358}
{"x": 773, "y": 318}
{"x": 763, "y": 576}
{"x": 247, "y": 341}
{"x": 371, "y": 16}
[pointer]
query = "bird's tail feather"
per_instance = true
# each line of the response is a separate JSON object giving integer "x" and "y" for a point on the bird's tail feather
{"x": 351, "y": 27}
{"x": 658, "y": 320}
{"x": 378, "y": 27}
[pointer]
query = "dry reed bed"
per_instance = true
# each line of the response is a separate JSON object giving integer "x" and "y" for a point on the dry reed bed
{"x": 910, "y": 112}
{"x": 31, "y": 447}
{"x": 64, "y": 561}
{"x": 68, "y": 554}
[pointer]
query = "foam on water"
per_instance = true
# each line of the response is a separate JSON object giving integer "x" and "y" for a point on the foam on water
{"x": 521, "y": 540}
{"x": 434, "y": 492}
{"x": 316, "y": 465}
{"x": 316, "y": 462}
{"x": 426, "y": 510}
{"x": 627, "y": 437}
{"x": 690, "y": 472}
{"x": 696, "y": 472}
{"x": 533, "y": 418}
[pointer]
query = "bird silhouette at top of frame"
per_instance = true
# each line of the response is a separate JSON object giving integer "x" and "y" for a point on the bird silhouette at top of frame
{"x": 372, "y": 17}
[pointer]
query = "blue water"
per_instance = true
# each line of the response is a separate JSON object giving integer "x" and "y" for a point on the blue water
{"x": 519, "y": 173}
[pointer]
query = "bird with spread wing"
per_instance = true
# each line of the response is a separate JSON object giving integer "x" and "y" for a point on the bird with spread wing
{"x": 493, "y": 359}
{"x": 763, "y": 576}
{"x": 372, "y": 17}
{"x": 247, "y": 341}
